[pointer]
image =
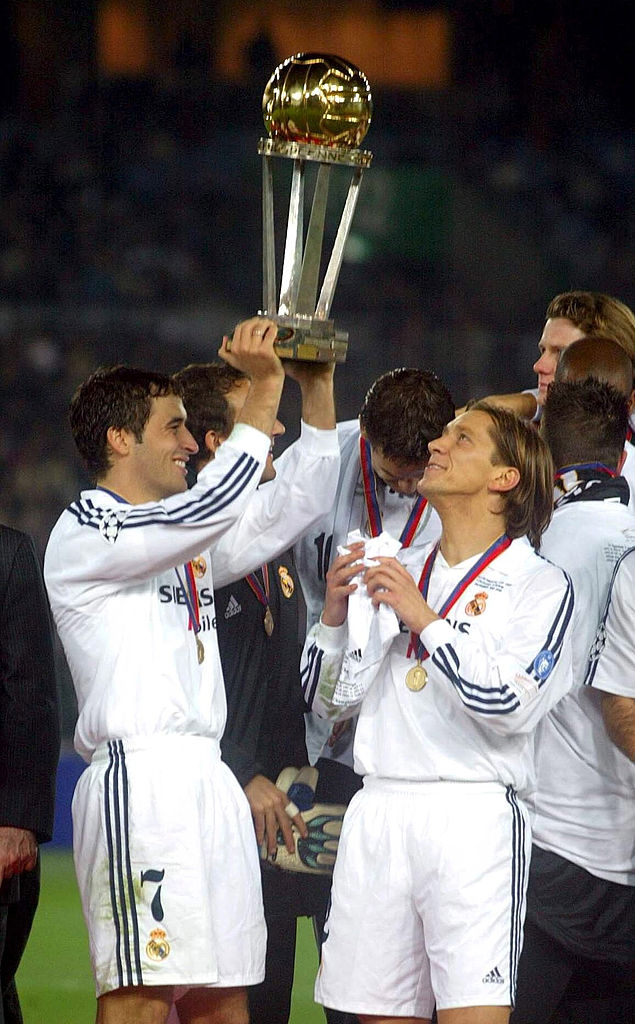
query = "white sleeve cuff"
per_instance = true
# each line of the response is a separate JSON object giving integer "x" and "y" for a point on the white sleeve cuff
{"x": 332, "y": 639}
{"x": 322, "y": 442}
{"x": 250, "y": 440}
{"x": 436, "y": 634}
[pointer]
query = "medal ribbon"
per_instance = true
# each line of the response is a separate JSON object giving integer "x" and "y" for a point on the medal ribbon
{"x": 493, "y": 551}
{"x": 261, "y": 592}
{"x": 191, "y": 597}
{"x": 372, "y": 503}
{"x": 629, "y": 434}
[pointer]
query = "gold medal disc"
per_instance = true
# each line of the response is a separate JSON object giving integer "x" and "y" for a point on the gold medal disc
{"x": 268, "y": 621}
{"x": 416, "y": 678}
{"x": 200, "y": 650}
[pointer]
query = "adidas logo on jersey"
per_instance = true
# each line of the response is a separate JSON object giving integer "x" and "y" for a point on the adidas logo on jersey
{"x": 494, "y": 978}
{"x": 233, "y": 607}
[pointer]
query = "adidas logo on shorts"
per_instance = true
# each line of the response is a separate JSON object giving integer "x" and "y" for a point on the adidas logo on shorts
{"x": 494, "y": 978}
{"x": 233, "y": 607}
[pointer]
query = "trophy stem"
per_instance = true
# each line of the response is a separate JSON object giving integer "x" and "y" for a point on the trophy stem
{"x": 307, "y": 292}
{"x": 293, "y": 245}
{"x": 268, "y": 240}
{"x": 323, "y": 307}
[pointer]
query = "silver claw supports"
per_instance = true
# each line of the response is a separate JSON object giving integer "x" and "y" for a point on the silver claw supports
{"x": 305, "y": 330}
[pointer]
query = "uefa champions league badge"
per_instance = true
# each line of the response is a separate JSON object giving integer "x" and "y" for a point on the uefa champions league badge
{"x": 158, "y": 947}
{"x": 598, "y": 644}
{"x": 543, "y": 664}
{"x": 110, "y": 523}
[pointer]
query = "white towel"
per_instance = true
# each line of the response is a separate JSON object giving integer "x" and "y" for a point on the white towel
{"x": 370, "y": 630}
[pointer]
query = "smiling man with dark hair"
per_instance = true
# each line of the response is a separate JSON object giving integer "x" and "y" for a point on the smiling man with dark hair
{"x": 164, "y": 851}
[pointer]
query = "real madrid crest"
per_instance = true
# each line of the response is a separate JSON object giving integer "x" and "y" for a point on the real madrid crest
{"x": 286, "y": 581}
{"x": 199, "y": 566}
{"x": 477, "y": 605}
{"x": 158, "y": 947}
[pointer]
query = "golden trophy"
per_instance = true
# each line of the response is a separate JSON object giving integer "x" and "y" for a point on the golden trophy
{"x": 317, "y": 109}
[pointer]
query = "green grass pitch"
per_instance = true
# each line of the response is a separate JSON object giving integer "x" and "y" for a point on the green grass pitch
{"x": 55, "y": 982}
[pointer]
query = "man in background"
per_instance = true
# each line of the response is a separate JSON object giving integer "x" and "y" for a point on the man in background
{"x": 604, "y": 359}
{"x": 581, "y": 894}
{"x": 569, "y": 317}
{"x": 383, "y": 455}
{"x": 29, "y": 750}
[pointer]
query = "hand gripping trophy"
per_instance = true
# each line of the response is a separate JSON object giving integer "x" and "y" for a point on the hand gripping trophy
{"x": 317, "y": 109}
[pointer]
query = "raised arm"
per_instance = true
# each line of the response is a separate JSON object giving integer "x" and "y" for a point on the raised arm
{"x": 251, "y": 350}
{"x": 316, "y": 388}
{"x": 135, "y": 542}
{"x": 523, "y": 403}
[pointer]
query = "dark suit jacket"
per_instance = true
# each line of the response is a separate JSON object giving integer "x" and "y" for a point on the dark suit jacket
{"x": 29, "y": 713}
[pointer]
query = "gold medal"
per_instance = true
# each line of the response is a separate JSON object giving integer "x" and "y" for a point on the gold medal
{"x": 200, "y": 650}
{"x": 416, "y": 677}
{"x": 268, "y": 621}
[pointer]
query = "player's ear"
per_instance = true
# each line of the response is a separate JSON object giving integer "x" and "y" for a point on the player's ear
{"x": 120, "y": 440}
{"x": 504, "y": 478}
{"x": 213, "y": 441}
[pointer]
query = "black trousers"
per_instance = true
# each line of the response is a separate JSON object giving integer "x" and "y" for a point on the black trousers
{"x": 18, "y": 903}
{"x": 577, "y": 964}
{"x": 556, "y": 986}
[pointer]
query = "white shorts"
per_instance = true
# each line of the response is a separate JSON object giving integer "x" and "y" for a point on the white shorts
{"x": 167, "y": 866}
{"x": 428, "y": 899}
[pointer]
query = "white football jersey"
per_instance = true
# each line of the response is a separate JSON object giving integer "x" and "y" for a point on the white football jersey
{"x": 612, "y": 661}
{"x": 117, "y": 583}
{"x": 498, "y": 662}
{"x": 584, "y": 807}
{"x": 318, "y": 547}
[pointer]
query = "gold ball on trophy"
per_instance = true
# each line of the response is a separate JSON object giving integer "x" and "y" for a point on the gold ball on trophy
{"x": 319, "y": 99}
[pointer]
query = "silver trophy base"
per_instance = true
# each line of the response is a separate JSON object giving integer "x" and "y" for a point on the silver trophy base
{"x": 309, "y": 340}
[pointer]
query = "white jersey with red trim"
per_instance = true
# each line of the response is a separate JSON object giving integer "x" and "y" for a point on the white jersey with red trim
{"x": 584, "y": 807}
{"x": 318, "y": 547}
{"x": 498, "y": 662}
{"x": 121, "y": 609}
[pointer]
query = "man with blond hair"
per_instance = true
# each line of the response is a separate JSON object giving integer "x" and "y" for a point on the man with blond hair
{"x": 450, "y": 654}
